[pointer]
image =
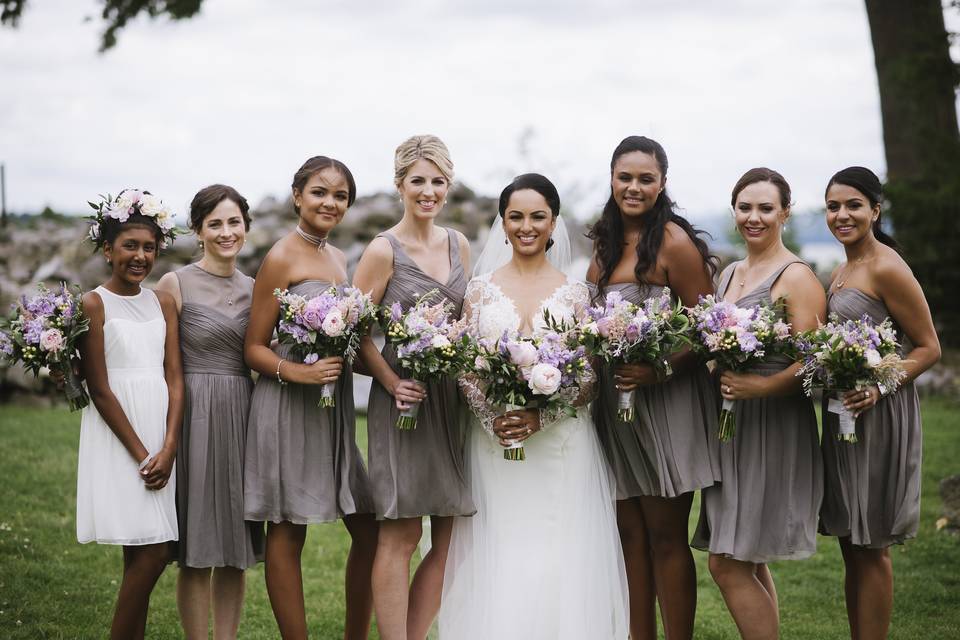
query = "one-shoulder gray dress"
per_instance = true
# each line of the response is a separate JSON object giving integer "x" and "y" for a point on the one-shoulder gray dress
{"x": 303, "y": 464}
{"x": 872, "y": 487}
{"x": 670, "y": 446}
{"x": 765, "y": 506}
{"x": 213, "y": 321}
{"x": 419, "y": 472}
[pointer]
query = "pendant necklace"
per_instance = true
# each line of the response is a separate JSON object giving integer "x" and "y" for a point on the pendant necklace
{"x": 319, "y": 241}
{"x": 847, "y": 272}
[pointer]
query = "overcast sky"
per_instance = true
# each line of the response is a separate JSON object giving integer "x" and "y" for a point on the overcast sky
{"x": 243, "y": 95}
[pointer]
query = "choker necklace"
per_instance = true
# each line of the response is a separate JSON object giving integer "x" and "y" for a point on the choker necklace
{"x": 319, "y": 241}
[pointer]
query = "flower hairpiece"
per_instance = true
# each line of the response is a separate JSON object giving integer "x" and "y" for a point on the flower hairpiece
{"x": 127, "y": 203}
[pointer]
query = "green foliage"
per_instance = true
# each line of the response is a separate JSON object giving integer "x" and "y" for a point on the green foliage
{"x": 115, "y": 14}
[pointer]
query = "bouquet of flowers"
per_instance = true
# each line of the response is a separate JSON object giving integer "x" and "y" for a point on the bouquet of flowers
{"x": 842, "y": 356}
{"x": 737, "y": 338}
{"x": 545, "y": 372}
{"x": 429, "y": 343}
{"x": 43, "y": 331}
{"x": 329, "y": 324}
{"x": 620, "y": 331}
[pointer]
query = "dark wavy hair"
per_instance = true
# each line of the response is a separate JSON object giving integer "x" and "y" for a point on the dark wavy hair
{"x": 317, "y": 164}
{"x": 607, "y": 233}
{"x": 867, "y": 183}
{"x": 535, "y": 182}
{"x": 207, "y": 200}
{"x": 112, "y": 227}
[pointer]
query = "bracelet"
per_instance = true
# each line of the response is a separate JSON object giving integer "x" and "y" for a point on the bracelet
{"x": 145, "y": 462}
{"x": 279, "y": 379}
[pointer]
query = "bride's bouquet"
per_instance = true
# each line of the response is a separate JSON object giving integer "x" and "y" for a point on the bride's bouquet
{"x": 737, "y": 338}
{"x": 429, "y": 342}
{"x": 43, "y": 331}
{"x": 620, "y": 331}
{"x": 544, "y": 372}
{"x": 843, "y": 356}
{"x": 329, "y": 324}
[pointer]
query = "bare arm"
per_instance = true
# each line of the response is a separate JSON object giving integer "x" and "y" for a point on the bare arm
{"x": 806, "y": 305}
{"x": 94, "y": 363}
{"x": 157, "y": 472}
{"x": 264, "y": 312}
{"x": 908, "y": 307}
{"x": 170, "y": 283}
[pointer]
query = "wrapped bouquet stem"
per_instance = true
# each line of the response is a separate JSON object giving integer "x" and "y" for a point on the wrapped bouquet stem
{"x": 514, "y": 451}
{"x": 848, "y": 422}
{"x": 408, "y": 417}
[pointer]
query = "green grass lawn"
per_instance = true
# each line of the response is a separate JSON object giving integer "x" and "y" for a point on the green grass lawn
{"x": 52, "y": 587}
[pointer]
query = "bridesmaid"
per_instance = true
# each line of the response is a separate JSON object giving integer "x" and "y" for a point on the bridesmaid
{"x": 126, "y": 479}
{"x": 302, "y": 462}
{"x": 641, "y": 246}
{"x": 872, "y": 493}
{"x": 213, "y": 300}
{"x": 766, "y": 506}
{"x": 418, "y": 472}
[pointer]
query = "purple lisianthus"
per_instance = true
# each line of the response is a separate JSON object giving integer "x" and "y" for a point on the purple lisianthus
{"x": 748, "y": 342}
{"x": 310, "y": 358}
{"x": 32, "y": 330}
{"x": 295, "y": 330}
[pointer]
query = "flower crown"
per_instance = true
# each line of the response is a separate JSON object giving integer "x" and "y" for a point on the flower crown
{"x": 127, "y": 203}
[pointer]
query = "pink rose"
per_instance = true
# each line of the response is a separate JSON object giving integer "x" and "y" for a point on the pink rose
{"x": 544, "y": 379}
{"x": 522, "y": 354}
{"x": 333, "y": 324}
{"x": 51, "y": 340}
{"x": 603, "y": 326}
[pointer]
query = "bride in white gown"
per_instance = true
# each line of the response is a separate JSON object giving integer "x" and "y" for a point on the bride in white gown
{"x": 541, "y": 558}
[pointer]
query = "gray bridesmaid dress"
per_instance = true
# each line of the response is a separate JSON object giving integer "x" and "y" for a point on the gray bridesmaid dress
{"x": 213, "y": 321}
{"x": 419, "y": 472}
{"x": 302, "y": 461}
{"x": 765, "y": 506}
{"x": 872, "y": 487}
{"x": 669, "y": 448}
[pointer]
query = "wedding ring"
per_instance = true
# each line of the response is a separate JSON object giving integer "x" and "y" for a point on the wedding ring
{"x": 726, "y": 389}
{"x": 866, "y": 394}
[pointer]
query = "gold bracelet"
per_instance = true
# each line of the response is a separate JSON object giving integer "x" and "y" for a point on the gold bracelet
{"x": 279, "y": 379}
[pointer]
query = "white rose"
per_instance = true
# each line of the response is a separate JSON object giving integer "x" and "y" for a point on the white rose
{"x": 439, "y": 341}
{"x": 333, "y": 324}
{"x": 151, "y": 206}
{"x": 544, "y": 379}
{"x": 873, "y": 358}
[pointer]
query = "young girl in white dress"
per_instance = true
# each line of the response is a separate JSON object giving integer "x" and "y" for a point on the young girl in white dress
{"x": 128, "y": 435}
{"x": 541, "y": 558}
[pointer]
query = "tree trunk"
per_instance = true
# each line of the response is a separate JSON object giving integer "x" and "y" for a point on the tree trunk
{"x": 918, "y": 82}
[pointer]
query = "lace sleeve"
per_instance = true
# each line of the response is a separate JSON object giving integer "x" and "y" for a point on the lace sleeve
{"x": 471, "y": 386}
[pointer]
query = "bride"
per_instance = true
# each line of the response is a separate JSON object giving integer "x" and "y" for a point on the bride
{"x": 541, "y": 558}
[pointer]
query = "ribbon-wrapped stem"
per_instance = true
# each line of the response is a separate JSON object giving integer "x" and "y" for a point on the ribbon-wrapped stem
{"x": 625, "y": 410}
{"x": 73, "y": 388}
{"x": 327, "y": 398}
{"x": 513, "y": 451}
{"x": 408, "y": 417}
{"x": 728, "y": 422}
{"x": 848, "y": 423}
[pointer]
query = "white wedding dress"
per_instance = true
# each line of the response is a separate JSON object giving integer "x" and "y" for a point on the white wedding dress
{"x": 541, "y": 558}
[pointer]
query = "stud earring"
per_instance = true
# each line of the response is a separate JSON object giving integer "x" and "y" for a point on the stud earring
{"x": 200, "y": 243}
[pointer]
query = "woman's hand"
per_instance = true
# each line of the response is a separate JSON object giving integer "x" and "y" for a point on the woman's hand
{"x": 323, "y": 371}
{"x": 157, "y": 471}
{"x": 407, "y": 392}
{"x": 742, "y": 386}
{"x": 627, "y": 377}
{"x": 516, "y": 426}
{"x": 859, "y": 400}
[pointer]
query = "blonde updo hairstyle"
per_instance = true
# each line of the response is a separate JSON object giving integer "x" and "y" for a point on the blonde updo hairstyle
{"x": 416, "y": 147}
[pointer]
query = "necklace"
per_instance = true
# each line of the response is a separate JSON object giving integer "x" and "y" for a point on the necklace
{"x": 842, "y": 280}
{"x": 319, "y": 241}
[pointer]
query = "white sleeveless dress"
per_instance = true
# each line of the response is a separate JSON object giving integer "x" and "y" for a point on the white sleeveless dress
{"x": 114, "y": 505}
{"x": 541, "y": 559}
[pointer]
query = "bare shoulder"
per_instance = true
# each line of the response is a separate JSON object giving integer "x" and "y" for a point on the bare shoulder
{"x": 168, "y": 282}
{"x": 462, "y": 242}
{"x": 166, "y": 300}
{"x": 799, "y": 274}
{"x": 92, "y": 304}
{"x": 890, "y": 272}
{"x": 677, "y": 244}
{"x": 378, "y": 252}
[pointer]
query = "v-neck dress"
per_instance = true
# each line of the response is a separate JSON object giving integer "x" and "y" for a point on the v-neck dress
{"x": 873, "y": 486}
{"x": 418, "y": 472}
{"x": 771, "y": 473}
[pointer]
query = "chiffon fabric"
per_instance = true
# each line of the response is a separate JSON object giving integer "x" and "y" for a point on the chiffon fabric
{"x": 765, "y": 506}
{"x": 302, "y": 461}
{"x": 114, "y": 505}
{"x": 669, "y": 448}
{"x": 541, "y": 559}
{"x": 873, "y": 486}
{"x": 213, "y": 321}
{"x": 418, "y": 472}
